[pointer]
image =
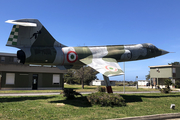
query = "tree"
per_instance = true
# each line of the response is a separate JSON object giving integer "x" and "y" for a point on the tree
{"x": 69, "y": 76}
{"x": 91, "y": 75}
{"x": 85, "y": 75}
{"x": 177, "y": 84}
{"x": 80, "y": 75}
{"x": 135, "y": 83}
{"x": 174, "y": 63}
{"x": 148, "y": 76}
{"x": 168, "y": 82}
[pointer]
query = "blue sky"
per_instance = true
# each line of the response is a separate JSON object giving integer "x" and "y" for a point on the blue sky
{"x": 103, "y": 22}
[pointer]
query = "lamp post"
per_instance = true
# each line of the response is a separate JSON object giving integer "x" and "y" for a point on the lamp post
{"x": 124, "y": 79}
{"x": 157, "y": 69}
{"x": 137, "y": 82}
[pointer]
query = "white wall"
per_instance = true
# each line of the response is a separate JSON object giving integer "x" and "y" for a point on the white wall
{"x": 96, "y": 83}
{"x": 143, "y": 83}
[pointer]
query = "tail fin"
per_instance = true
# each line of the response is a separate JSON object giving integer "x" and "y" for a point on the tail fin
{"x": 28, "y": 33}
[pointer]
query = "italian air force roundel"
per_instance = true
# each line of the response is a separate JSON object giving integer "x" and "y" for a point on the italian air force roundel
{"x": 72, "y": 56}
{"x": 111, "y": 68}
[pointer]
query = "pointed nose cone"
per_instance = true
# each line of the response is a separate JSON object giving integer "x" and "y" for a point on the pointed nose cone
{"x": 163, "y": 52}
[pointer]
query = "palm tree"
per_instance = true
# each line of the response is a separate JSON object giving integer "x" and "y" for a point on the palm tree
{"x": 168, "y": 82}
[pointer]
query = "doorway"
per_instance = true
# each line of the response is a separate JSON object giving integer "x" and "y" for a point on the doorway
{"x": 35, "y": 82}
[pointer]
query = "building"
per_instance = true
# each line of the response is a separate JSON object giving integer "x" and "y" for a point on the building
{"x": 158, "y": 74}
{"x": 143, "y": 82}
{"x": 15, "y": 75}
{"x": 101, "y": 83}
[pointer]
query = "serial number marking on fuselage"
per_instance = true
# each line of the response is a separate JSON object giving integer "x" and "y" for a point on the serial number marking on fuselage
{"x": 43, "y": 51}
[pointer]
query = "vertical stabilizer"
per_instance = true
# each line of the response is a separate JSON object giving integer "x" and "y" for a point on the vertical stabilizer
{"x": 30, "y": 33}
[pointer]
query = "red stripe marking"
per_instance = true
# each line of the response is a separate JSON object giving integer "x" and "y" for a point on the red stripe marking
{"x": 63, "y": 57}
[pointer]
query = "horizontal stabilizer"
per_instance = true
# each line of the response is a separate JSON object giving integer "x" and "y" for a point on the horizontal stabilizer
{"x": 21, "y": 23}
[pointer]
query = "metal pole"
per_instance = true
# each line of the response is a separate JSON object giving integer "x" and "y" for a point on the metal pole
{"x": 124, "y": 78}
{"x": 137, "y": 82}
{"x": 157, "y": 69}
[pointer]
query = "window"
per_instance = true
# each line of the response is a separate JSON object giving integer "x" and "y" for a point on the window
{"x": 46, "y": 65}
{"x": 174, "y": 70}
{"x": 10, "y": 59}
{"x": 15, "y": 60}
{"x": 10, "y": 78}
{"x": 2, "y": 59}
{"x": 33, "y": 65}
{"x": 56, "y": 79}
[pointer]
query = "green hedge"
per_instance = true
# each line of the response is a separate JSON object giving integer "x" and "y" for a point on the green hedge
{"x": 69, "y": 93}
{"x": 101, "y": 89}
{"x": 165, "y": 90}
{"x": 106, "y": 99}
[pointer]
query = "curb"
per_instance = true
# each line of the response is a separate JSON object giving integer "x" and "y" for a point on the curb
{"x": 151, "y": 117}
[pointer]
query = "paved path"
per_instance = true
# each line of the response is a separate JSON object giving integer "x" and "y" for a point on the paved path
{"x": 28, "y": 94}
{"x": 168, "y": 116}
{"x": 57, "y": 93}
{"x": 138, "y": 92}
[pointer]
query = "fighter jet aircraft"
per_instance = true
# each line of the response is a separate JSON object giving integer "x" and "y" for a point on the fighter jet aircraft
{"x": 37, "y": 46}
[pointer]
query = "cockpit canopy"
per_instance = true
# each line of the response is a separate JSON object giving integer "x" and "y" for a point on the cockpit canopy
{"x": 149, "y": 45}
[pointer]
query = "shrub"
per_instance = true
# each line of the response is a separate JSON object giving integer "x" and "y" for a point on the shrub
{"x": 177, "y": 84}
{"x": 105, "y": 99}
{"x": 168, "y": 82}
{"x": 165, "y": 90}
{"x": 101, "y": 89}
{"x": 69, "y": 93}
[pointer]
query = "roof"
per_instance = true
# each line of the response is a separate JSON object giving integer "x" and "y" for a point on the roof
{"x": 25, "y": 68}
{"x": 144, "y": 80}
{"x": 160, "y": 66}
{"x": 8, "y": 54}
{"x": 103, "y": 80}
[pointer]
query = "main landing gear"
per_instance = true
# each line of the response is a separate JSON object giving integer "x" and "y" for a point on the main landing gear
{"x": 108, "y": 84}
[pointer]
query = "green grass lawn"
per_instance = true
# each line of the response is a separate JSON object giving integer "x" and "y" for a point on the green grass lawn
{"x": 115, "y": 88}
{"x": 49, "y": 107}
{"x": 78, "y": 88}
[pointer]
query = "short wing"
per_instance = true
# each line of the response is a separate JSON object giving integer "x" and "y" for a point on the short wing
{"x": 106, "y": 66}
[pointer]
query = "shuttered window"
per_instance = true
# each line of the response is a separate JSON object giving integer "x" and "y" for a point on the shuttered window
{"x": 10, "y": 78}
{"x": 56, "y": 79}
{"x": 2, "y": 59}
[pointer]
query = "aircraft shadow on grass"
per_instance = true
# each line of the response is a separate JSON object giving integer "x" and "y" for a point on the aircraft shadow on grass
{"x": 80, "y": 88}
{"x": 23, "y": 98}
{"x": 78, "y": 102}
{"x": 83, "y": 102}
{"x": 138, "y": 98}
